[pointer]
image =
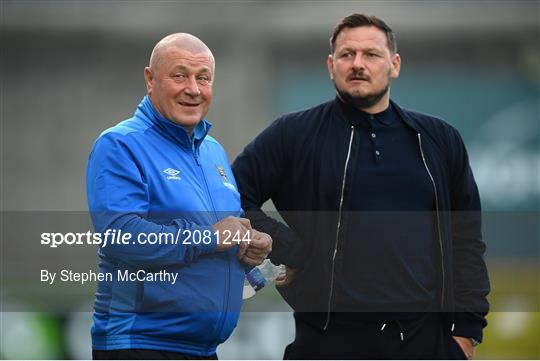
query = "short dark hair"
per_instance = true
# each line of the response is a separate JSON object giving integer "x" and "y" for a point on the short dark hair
{"x": 358, "y": 20}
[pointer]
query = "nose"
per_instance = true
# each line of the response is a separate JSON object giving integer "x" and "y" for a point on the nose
{"x": 192, "y": 88}
{"x": 358, "y": 63}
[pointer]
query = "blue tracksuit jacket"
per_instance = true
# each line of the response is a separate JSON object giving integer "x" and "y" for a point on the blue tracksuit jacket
{"x": 147, "y": 176}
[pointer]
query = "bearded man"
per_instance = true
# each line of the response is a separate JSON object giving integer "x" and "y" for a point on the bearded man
{"x": 383, "y": 240}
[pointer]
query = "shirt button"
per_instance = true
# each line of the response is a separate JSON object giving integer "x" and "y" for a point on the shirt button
{"x": 371, "y": 117}
{"x": 373, "y": 135}
{"x": 377, "y": 152}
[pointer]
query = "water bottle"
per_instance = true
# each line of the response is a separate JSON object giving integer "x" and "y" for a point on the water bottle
{"x": 260, "y": 276}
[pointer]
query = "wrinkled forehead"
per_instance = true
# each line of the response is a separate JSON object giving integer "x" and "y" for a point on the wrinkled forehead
{"x": 173, "y": 56}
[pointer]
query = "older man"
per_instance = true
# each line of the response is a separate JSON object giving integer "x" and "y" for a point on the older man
{"x": 382, "y": 215}
{"x": 161, "y": 179}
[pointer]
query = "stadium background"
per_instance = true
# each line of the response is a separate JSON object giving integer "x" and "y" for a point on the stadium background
{"x": 73, "y": 68}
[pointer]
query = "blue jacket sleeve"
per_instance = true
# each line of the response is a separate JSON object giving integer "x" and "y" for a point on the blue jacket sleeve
{"x": 118, "y": 199}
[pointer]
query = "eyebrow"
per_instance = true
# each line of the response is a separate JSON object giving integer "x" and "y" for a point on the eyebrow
{"x": 373, "y": 49}
{"x": 346, "y": 49}
{"x": 355, "y": 50}
{"x": 184, "y": 68}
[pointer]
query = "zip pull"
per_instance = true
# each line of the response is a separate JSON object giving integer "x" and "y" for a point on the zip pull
{"x": 383, "y": 326}
{"x": 420, "y": 143}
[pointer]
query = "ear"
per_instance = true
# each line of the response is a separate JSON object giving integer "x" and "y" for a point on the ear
{"x": 330, "y": 66}
{"x": 396, "y": 65}
{"x": 148, "y": 77}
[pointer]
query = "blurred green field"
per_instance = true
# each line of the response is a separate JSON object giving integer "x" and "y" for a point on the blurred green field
{"x": 511, "y": 335}
{"x": 513, "y": 331}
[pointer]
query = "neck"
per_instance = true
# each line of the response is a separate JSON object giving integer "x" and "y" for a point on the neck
{"x": 381, "y": 106}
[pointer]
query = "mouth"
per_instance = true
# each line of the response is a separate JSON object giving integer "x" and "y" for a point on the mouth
{"x": 358, "y": 78}
{"x": 189, "y": 105}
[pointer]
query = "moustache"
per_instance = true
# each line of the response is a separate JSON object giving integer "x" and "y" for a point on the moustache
{"x": 358, "y": 76}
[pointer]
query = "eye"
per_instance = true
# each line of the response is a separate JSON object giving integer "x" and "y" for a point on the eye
{"x": 203, "y": 79}
{"x": 372, "y": 55}
{"x": 347, "y": 55}
{"x": 179, "y": 77}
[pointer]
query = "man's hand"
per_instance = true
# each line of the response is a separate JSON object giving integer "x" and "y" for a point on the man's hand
{"x": 229, "y": 229}
{"x": 287, "y": 278}
{"x": 257, "y": 250}
{"x": 466, "y": 345}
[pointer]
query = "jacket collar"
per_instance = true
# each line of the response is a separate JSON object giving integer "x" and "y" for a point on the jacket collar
{"x": 147, "y": 112}
{"x": 406, "y": 119}
{"x": 357, "y": 117}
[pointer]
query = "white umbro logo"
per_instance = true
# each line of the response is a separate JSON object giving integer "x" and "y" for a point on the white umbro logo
{"x": 172, "y": 173}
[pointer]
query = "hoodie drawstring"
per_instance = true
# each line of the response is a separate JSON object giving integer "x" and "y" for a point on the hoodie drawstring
{"x": 401, "y": 331}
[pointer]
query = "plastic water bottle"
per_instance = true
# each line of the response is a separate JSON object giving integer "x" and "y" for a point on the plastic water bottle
{"x": 260, "y": 276}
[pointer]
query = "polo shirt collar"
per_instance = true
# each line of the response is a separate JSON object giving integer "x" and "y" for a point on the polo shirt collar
{"x": 356, "y": 116}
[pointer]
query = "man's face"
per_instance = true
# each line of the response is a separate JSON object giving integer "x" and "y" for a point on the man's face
{"x": 180, "y": 86}
{"x": 362, "y": 66}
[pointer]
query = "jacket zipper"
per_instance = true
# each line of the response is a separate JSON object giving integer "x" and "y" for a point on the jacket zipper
{"x": 206, "y": 185}
{"x": 438, "y": 217}
{"x": 337, "y": 230}
{"x": 221, "y": 321}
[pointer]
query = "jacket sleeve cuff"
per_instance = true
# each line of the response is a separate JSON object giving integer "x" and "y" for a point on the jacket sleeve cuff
{"x": 469, "y": 328}
{"x": 287, "y": 249}
{"x": 209, "y": 246}
{"x": 194, "y": 237}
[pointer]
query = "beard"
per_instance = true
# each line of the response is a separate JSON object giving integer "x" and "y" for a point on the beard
{"x": 359, "y": 101}
{"x": 363, "y": 101}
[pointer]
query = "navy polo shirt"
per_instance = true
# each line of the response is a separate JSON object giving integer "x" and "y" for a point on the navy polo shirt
{"x": 389, "y": 245}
